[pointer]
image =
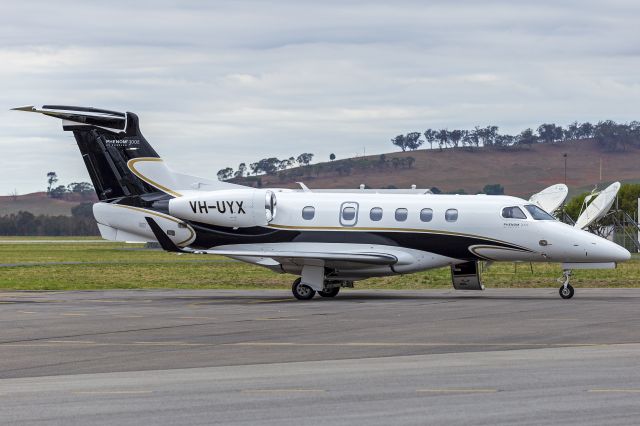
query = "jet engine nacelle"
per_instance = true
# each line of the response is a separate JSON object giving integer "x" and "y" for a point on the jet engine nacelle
{"x": 237, "y": 208}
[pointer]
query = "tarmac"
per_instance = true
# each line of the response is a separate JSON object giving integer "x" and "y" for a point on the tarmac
{"x": 502, "y": 356}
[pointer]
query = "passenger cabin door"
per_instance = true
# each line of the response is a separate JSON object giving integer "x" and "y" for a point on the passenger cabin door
{"x": 349, "y": 213}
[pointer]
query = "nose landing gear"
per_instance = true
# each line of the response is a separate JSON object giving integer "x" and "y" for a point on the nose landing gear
{"x": 566, "y": 290}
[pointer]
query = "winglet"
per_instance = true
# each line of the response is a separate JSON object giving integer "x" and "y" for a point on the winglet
{"x": 163, "y": 239}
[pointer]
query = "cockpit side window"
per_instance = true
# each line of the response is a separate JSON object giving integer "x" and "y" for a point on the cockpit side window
{"x": 537, "y": 213}
{"x": 513, "y": 213}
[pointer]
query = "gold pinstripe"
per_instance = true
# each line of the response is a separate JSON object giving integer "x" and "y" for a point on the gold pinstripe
{"x": 164, "y": 216}
{"x": 418, "y": 230}
{"x": 132, "y": 162}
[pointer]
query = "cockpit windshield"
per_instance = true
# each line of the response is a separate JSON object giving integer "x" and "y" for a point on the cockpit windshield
{"x": 537, "y": 213}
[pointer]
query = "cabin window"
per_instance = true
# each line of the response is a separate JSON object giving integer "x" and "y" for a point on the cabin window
{"x": 401, "y": 215}
{"x": 348, "y": 213}
{"x": 171, "y": 233}
{"x": 513, "y": 213}
{"x": 308, "y": 212}
{"x": 182, "y": 225}
{"x": 426, "y": 215}
{"x": 375, "y": 214}
{"x": 537, "y": 213}
{"x": 451, "y": 215}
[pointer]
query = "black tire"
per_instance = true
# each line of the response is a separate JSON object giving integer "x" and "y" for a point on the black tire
{"x": 568, "y": 293}
{"x": 302, "y": 291}
{"x": 332, "y": 292}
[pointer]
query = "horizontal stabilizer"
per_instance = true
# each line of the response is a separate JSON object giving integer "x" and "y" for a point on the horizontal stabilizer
{"x": 113, "y": 121}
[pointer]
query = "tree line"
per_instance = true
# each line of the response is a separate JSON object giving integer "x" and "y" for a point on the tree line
{"x": 268, "y": 166}
{"x": 82, "y": 189}
{"x": 81, "y": 222}
{"x": 609, "y": 135}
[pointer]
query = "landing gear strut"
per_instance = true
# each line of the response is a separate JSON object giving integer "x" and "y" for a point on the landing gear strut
{"x": 330, "y": 288}
{"x": 566, "y": 291}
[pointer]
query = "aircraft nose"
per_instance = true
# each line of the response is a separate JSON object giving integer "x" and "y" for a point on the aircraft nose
{"x": 609, "y": 251}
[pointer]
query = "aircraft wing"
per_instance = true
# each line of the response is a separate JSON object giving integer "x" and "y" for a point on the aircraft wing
{"x": 291, "y": 256}
{"x": 281, "y": 256}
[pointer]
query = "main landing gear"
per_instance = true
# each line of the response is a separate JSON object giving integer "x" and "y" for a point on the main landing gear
{"x": 566, "y": 291}
{"x": 303, "y": 291}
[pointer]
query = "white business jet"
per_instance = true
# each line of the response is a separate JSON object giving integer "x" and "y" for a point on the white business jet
{"x": 330, "y": 238}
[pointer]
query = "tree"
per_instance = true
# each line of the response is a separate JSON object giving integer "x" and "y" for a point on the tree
{"x": 430, "y": 136}
{"x": 52, "y": 178}
{"x": 58, "y": 192}
{"x": 226, "y": 173}
{"x": 571, "y": 132}
{"x": 526, "y": 138}
{"x": 83, "y": 210}
{"x": 304, "y": 158}
{"x": 548, "y": 133}
{"x": 585, "y": 130}
{"x": 399, "y": 141}
{"x": 443, "y": 138}
{"x": 332, "y": 156}
{"x": 456, "y": 136}
{"x": 242, "y": 169}
{"x": 493, "y": 189}
{"x": 412, "y": 140}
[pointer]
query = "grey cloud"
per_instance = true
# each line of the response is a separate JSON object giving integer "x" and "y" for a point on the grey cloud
{"x": 217, "y": 83}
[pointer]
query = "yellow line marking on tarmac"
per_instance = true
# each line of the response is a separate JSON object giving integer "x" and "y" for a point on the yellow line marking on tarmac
{"x": 456, "y": 390}
{"x": 26, "y": 312}
{"x": 283, "y": 390}
{"x": 614, "y": 390}
{"x": 136, "y": 392}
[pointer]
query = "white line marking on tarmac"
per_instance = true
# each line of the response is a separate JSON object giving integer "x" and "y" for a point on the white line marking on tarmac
{"x": 614, "y": 390}
{"x": 454, "y": 390}
{"x": 276, "y": 319}
{"x": 123, "y": 392}
{"x": 71, "y": 314}
{"x": 402, "y": 344}
{"x": 204, "y": 318}
{"x": 283, "y": 391}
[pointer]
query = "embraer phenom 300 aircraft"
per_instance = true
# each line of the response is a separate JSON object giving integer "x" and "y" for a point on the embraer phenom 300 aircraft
{"x": 329, "y": 238}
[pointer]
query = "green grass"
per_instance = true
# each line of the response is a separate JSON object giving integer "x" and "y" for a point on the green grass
{"x": 117, "y": 265}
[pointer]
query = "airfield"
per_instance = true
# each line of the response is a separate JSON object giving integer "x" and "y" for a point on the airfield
{"x": 374, "y": 357}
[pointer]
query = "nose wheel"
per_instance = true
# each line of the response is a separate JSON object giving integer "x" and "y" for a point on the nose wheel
{"x": 566, "y": 290}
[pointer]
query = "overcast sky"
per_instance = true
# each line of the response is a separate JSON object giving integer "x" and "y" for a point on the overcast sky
{"x": 217, "y": 83}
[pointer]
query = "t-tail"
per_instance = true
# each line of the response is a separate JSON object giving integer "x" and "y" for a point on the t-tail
{"x": 108, "y": 141}
{"x": 120, "y": 161}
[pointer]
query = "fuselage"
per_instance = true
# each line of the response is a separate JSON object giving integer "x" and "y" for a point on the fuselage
{"x": 453, "y": 228}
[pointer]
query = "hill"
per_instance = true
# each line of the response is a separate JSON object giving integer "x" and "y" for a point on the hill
{"x": 39, "y": 203}
{"x": 522, "y": 172}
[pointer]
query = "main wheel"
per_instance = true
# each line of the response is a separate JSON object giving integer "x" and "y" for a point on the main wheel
{"x": 332, "y": 292}
{"x": 302, "y": 291}
{"x": 566, "y": 292}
